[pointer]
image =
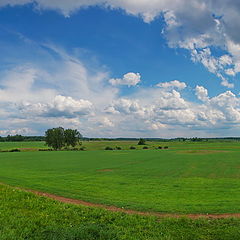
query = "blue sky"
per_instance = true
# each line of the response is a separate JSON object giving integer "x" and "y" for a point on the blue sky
{"x": 120, "y": 68}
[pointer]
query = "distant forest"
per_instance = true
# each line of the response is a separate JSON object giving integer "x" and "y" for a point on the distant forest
{"x": 20, "y": 138}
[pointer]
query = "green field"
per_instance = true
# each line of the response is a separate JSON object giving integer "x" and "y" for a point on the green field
{"x": 26, "y": 216}
{"x": 125, "y": 145}
{"x": 22, "y": 145}
{"x": 186, "y": 178}
{"x": 89, "y": 145}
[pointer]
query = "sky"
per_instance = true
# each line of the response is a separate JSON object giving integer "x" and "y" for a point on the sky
{"x": 120, "y": 68}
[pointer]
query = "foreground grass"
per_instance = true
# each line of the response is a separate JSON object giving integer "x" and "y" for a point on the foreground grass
{"x": 26, "y": 216}
{"x": 173, "y": 181}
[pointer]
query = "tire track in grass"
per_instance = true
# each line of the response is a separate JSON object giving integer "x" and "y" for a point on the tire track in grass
{"x": 127, "y": 211}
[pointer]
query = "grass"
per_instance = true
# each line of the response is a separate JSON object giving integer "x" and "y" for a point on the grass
{"x": 89, "y": 145}
{"x": 125, "y": 145}
{"x": 26, "y": 216}
{"x": 187, "y": 178}
{"x": 22, "y": 145}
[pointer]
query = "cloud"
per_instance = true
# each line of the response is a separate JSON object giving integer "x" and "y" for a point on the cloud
{"x": 164, "y": 110}
{"x": 230, "y": 72}
{"x": 66, "y": 91}
{"x": 214, "y": 65}
{"x": 59, "y": 90}
{"x": 157, "y": 126}
{"x": 214, "y": 25}
{"x": 20, "y": 131}
{"x": 170, "y": 100}
{"x": 17, "y": 85}
{"x": 129, "y": 79}
{"x": 201, "y": 93}
{"x": 159, "y": 112}
{"x": 126, "y": 106}
{"x": 172, "y": 84}
{"x": 67, "y": 105}
{"x": 59, "y": 73}
{"x": 147, "y": 10}
{"x": 60, "y": 107}
{"x": 105, "y": 123}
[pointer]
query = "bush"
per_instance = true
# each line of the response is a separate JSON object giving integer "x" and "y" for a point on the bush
{"x": 108, "y": 148}
{"x": 14, "y": 150}
{"x": 145, "y": 147}
{"x": 74, "y": 149}
{"x": 132, "y": 147}
{"x": 118, "y": 148}
{"x": 142, "y": 141}
{"x": 159, "y": 147}
{"x": 165, "y": 147}
{"x": 82, "y": 149}
{"x": 70, "y": 149}
{"x": 45, "y": 149}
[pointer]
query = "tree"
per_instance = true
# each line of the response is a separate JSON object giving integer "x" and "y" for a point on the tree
{"x": 15, "y": 138}
{"x": 72, "y": 137}
{"x": 55, "y": 138}
{"x": 142, "y": 141}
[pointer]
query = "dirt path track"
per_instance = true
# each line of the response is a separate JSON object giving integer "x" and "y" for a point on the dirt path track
{"x": 117, "y": 209}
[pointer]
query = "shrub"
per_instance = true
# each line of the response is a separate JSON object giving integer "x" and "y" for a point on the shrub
{"x": 108, "y": 148}
{"x": 159, "y": 147}
{"x": 132, "y": 147}
{"x": 118, "y": 148}
{"x": 70, "y": 149}
{"x": 75, "y": 149}
{"x": 145, "y": 147}
{"x": 14, "y": 150}
{"x": 45, "y": 149}
{"x": 82, "y": 149}
{"x": 142, "y": 141}
{"x": 165, "y": 147}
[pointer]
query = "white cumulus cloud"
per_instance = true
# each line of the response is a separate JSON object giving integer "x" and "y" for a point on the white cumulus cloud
{"x": 129, "y": 79}
{"x": 201, "y": 93}
{"x": 172, "y": 84}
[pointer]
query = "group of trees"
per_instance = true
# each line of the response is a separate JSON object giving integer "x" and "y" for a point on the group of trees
{"x": 9, "y": 138}
{"x": 58, "y": 138}
{"x": 20, "y": 138}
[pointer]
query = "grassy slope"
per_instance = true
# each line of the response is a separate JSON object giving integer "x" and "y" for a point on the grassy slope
{"x": 156, "y": 180}
{"x": 26, "y": 216}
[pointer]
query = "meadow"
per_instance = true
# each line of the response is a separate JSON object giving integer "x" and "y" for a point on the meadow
{"x": 27, "y": 216}
{"x": 125, "y": 145}
{"x": 190, "y": 177}
{"x": 22, "y": 145}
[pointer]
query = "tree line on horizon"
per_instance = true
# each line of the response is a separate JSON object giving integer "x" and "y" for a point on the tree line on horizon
{"x": 20, "y": 138}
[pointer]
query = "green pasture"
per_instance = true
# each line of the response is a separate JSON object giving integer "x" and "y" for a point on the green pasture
{"x": 125, "y": 145}
{"x": 25, "y": 146}
{"x": 186, "y": 178}
{"x": 89, "y": 145}
{"x": 26, "y": 216}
